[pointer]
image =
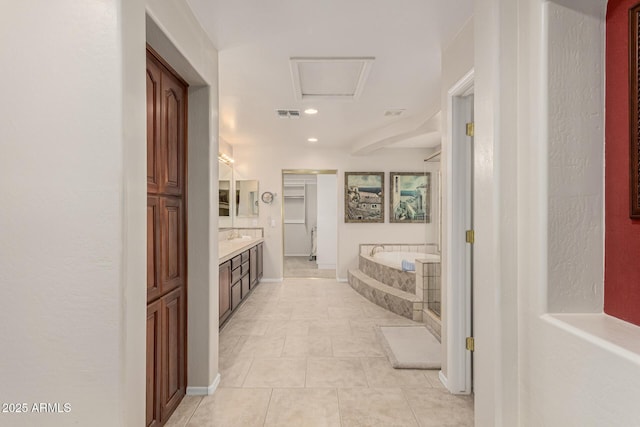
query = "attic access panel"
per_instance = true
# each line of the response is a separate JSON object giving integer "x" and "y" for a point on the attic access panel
{"x": 330, "y": 78}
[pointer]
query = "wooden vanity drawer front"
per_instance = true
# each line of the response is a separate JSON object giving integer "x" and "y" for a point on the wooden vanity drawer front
{"x": 245, "y": 269}
{"x": 245, "y": 256}
{"x": 236, "y": 262}
{"x": 236, "y": 275}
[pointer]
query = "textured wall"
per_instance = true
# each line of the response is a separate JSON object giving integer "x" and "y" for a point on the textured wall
{"x": 575, "y": 162}
{"x": 72, "y": 242}
{"x": 622, "y": 245}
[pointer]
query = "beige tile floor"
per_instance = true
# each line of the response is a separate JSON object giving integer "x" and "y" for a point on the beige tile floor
{"x": 305, "y": 353}
{"x": 300, "y": 266}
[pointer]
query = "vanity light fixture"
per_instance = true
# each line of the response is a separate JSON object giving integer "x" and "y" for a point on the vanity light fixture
{"x": 312, "y": 139}
{"x": 311, "y": 111}
{"x": 224, "y": 158}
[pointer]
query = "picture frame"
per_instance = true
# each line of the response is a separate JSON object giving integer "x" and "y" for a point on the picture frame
{"x": 363, "y": 197}
{"x": 634, "y": 105}
{"x": 410, "y": 197}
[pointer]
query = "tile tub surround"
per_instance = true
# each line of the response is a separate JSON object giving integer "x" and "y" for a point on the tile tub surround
{"x": 334, "y": 374}
{"x": 428, "y": 287}
{"x": 395, "y": 300}
{"x": 425, "y": 248}
{"x": 403, "y": 280}
{"x": 401, "y": 292}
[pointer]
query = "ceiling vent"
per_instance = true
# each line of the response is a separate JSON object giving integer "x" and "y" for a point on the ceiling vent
{"x": 288, "y": 114}
{"x": 394, "y": 113}
{"x": 329, "y": 78}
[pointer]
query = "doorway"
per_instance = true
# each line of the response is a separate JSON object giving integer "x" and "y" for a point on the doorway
{"x": 309, "y": 223}
{"x": 459, "y": 229}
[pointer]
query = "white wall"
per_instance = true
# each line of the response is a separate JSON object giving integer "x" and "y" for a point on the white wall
{"x": 73, "y": 244}
{"x": 573, "y": 369}
{"x": 266, "y": 164}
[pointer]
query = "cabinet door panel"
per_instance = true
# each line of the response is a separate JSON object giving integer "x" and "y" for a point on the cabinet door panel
{"x": 245, "y": 286}
{"x": 253, "y": 266}
{"x": 153, "y": 364}
{"x": 260, "y": 260}
{"x": 172, "y": 249}
{"x": 224, "y": 293}
{"x": 173, "y": 355}
{"x": 173, "y": 135}
{"x": 153, "y": 248}
{"x": 236, "y": 295}
{"x": 154, "y": 76}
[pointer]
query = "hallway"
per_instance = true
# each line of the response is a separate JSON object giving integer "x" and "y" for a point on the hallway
{"x": 305, "y": 353}
{"x": 301, "y": 267}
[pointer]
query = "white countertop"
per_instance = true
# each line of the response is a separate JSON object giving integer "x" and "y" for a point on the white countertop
{"x": 227, "y": 249}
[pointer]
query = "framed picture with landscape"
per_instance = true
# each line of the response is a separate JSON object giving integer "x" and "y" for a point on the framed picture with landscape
{"x": 364, "y": 197}
{"x": 410, "y": 197}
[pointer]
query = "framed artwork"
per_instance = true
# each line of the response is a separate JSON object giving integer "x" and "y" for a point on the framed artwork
{"x": 364, "y": 197}
{"x": 634, "y": 119}
{"x": 410, "y": 197}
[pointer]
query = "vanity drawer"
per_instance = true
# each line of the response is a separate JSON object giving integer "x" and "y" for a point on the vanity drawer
{"x": 245, "y": 256}
{"x": 236, "y": 274}
{"x": 236, "y": 262}
{"x": 245, "y": 269}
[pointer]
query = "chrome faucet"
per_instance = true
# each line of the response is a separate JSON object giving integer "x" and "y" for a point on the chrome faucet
{"x": 373, "y": 251}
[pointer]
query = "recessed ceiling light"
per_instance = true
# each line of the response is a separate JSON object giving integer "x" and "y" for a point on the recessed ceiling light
{"x": 312, "y": 139}
{"x": 311, "y": 111}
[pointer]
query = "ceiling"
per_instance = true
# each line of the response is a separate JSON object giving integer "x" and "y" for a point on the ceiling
{"x": 256, "y": 40}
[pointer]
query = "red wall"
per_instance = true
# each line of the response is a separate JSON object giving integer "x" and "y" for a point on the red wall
{"x": 622, "y": 235}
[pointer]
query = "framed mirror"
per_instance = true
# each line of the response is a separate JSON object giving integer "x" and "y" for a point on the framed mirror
{"x": 225, "y": 195}
{"x": 246, "y": 198}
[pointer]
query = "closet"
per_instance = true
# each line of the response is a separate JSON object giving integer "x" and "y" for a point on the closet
{"x": 166, "y": 239}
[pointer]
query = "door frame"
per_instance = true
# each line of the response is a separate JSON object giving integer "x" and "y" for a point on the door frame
{"x": 458, "y": 256}
{"x": 305, "y": 172}
{"x": 202, "y": 266}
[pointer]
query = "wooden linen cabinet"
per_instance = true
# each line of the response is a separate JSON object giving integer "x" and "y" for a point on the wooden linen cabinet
{"x": 166, "y": 239}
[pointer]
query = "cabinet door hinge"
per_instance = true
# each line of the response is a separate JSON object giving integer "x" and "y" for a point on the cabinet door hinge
{"x": 470, "y": 344}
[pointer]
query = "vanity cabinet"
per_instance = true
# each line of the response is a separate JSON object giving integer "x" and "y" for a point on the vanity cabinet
{"x": 237, "y": 278}
{"x": 224, "y": 301}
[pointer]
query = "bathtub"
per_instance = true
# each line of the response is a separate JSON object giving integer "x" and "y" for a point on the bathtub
{"x": 394, "y": 259}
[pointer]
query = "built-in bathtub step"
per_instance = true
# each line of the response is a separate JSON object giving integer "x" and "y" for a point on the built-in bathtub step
{"x": 397, "y": 301}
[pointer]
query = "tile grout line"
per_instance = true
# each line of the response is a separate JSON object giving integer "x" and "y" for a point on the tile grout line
{"x": 244, "y": 380}
{"x": 339, "y": 408}
{"x": 194, "y": 412}
{"x": 415, "y": 417}
{"x": 264, "y": 422}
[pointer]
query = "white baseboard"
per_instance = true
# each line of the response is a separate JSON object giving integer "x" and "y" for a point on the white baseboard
{"x": 307, "y": 254}
{"x": 204, "y": 391}
{"x": 272, "y": 280}
{"x": 342, "y": 280}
